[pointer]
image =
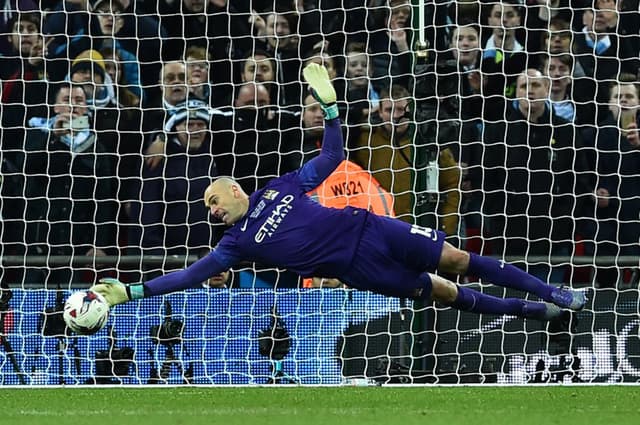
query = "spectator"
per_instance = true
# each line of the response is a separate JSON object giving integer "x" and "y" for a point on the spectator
{"x": 170, "y": 209}
{"x": 387, "y": 151}
{"x": 465, "y": 48}
{"x": 542, "y": 17}
{"x": 260, "y": 67}
{"x": 141, "y": 35}
{"x": 23, "y": 93}
{"x": 114, "y": 65}
{"x": 559, "y": 69}
{"x": 11, "y": 9}
{"x": 68, "y": 34}
{"x": 70, "y": 210}
{"x": 173, "y": 82}
{"x": 278, "y": 27}
{"x": 390, "y": 46}
{"x": 23, "y": 78}
{"x": 23, "y": 37}
{"x": 460, "y": 106}
{"x": 504, "y": 19}
{"x": 197, "y": 61}
{"x": 111, "y": 21}
{"x": 157, "y": 112}
{"x": 313, "y": 128}
{"x": 252, "y": 143}
{"x": 88, "y": 70}
{"x": 535, "y": 181}
{"x": 461, "y": 63}
{"x": 616, "y": 161}
{"x": 361, "y": 98}
{"x": 603, "y": 54}
{"x": 559, "y": 38}
{"x": 120, "y": 132}
{"x": 503, "y": 57}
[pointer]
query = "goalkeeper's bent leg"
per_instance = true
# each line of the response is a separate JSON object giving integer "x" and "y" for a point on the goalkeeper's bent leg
{"x": 477, "y": 302}
{"x": 467, "y": 299}
{"x": 508, "y": 276}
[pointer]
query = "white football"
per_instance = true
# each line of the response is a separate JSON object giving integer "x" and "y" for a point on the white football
{"x": 86, "y": 312}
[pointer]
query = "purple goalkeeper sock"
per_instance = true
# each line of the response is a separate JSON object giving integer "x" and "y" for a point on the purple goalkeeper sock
{"x": 509, "y": 276}
{"x": 477, "y": 302}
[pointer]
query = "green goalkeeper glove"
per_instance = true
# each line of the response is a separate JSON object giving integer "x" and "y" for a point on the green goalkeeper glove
{"x": 116, "y": 292}
{"x": 321, "y": 89}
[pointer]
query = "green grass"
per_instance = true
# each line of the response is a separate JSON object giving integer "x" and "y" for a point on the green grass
{"x": 562, "y": 405}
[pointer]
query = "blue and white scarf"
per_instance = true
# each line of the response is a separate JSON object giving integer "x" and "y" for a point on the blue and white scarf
{"x": 600, "y": 46}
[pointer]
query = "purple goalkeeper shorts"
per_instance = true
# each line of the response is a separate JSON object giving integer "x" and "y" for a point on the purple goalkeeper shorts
{"x": 393, "y": 258}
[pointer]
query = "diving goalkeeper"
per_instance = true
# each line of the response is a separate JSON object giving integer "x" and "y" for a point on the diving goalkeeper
{"x": 281, "y": 226}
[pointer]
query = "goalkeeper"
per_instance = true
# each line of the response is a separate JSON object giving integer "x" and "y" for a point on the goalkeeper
{"x": 281, "y": 226}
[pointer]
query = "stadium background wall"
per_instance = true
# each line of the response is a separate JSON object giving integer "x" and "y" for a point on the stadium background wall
{"x": 334, "y": 334}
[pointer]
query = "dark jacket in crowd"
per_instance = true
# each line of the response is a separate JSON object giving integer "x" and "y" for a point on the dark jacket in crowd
{"x": 535, "y": 182}
{"x": 171, "y": 210}
{"x": 71, "y": 206}
{"x": 617, "y": 164}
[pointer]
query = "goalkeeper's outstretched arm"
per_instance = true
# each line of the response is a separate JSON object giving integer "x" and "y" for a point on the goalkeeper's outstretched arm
{"x": 116, "y": 292}
{"x": 319, "y": 168}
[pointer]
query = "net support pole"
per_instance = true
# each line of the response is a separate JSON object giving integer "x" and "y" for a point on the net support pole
{"x": 422, "y": 345}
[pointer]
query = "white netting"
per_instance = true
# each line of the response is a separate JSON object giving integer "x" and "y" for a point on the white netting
{"x": 105, "y": 176}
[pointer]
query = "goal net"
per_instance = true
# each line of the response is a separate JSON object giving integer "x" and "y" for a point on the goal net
{"x": 511, "y": 126}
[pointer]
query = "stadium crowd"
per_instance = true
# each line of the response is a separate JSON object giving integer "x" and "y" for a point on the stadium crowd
{"x": 116, "y": 115}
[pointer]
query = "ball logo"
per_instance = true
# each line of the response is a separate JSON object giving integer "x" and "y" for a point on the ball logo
{"x": 275, "y": 218}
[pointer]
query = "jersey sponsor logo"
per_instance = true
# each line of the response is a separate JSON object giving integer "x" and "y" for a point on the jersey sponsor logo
{"x": 272, "y": 222}
{"x": 270, "y": 194}
{"x": 258, "y": 209}
{"x": 244, "y": 225}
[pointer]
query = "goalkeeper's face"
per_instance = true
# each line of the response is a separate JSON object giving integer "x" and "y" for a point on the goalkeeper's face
{"x": 226, "y": 200}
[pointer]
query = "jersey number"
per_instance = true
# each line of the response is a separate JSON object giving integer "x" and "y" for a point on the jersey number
{"x": 427, "y": 232}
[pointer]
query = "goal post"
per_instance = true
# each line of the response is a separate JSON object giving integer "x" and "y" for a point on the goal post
{"x": 81, "y": 200}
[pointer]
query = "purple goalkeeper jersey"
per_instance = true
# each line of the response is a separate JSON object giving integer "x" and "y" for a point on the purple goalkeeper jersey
{"x": 283, "y": 227}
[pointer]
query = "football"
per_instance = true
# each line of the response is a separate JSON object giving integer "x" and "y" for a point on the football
{"x": 86, "y": 312}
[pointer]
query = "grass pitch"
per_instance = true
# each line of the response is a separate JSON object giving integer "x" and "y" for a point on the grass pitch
{"x": 584, "y": 405}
